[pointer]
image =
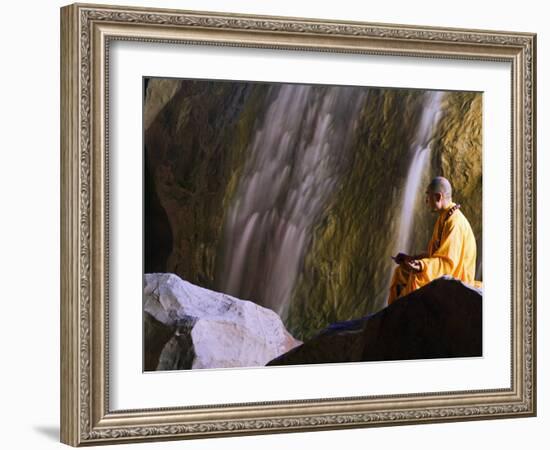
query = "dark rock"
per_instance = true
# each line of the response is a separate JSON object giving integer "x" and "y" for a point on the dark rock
{"x": 179, "y": 351}
{"x": 159, "y": 242}
{"x": 156, "y": 335}
{"x": 440, "y": 320}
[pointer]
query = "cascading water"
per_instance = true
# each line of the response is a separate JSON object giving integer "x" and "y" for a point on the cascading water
{"x": 417, "y": 169}
{"x": 293, "y": 166}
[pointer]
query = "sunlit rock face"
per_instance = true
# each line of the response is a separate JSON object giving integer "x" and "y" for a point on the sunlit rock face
{"x": 441, "y": 320}
{"x": 218, "y": 156}
{"x": 189, "y": 327}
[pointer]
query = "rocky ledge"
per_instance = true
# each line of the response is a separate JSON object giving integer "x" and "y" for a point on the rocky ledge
{"x": 189, "y": 327}
{"x": 440, "y": 320}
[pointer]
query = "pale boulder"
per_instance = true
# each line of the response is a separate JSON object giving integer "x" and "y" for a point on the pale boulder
{"x": 209, "y": 329}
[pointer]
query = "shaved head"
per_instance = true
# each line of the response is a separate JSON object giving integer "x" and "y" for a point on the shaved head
{"x": 441, "y": 185}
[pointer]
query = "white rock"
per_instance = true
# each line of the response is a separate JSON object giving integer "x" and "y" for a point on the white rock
{"x": 223, "y": 331}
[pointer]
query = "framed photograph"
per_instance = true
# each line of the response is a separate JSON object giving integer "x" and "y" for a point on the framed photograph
{"x": 276, "y": 224}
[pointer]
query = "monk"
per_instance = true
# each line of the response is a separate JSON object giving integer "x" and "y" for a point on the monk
{"x": 451, "y": 250}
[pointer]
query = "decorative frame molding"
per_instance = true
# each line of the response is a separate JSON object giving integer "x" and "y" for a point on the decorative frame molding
{"x": 86, "y": 31}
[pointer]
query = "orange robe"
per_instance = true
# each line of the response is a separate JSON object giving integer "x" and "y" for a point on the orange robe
{"x": 451, "y": 251}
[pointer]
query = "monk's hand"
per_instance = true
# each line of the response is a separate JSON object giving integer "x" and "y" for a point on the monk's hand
{"x": 413, "y": 265}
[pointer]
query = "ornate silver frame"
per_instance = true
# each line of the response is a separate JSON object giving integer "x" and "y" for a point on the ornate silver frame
{"x": 86, "y": 31}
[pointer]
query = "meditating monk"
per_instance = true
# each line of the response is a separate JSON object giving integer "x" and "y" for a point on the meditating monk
{"x": 451, "y": 250}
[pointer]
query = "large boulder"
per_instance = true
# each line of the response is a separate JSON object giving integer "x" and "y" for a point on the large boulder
{"x": 441, "y": 320}
{"x": 189, "y": 327}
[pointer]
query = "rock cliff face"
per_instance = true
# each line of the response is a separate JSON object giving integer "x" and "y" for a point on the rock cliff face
{"x": 441, "y": 320}
{"x": 197, "y": 140}
{"x": 188, "y": 327}
{"x": 194, "y": 142}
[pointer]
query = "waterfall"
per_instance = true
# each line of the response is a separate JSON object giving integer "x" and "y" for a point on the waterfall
{"x": 417, "y": 170}
{"x": 293, "y": 167}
